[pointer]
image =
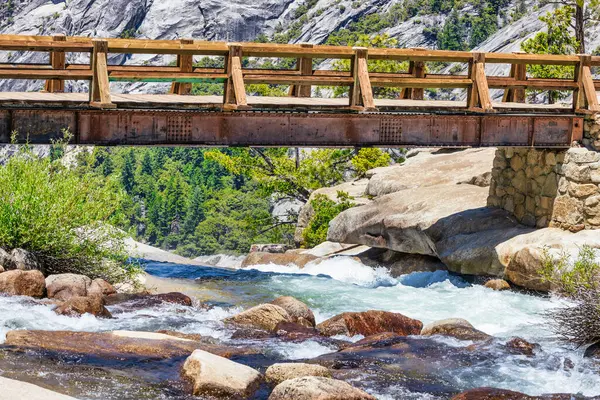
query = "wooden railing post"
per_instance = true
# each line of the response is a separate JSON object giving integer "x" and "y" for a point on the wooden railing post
{"x": 58, "y": 61}
{"x": 361, "y": 93}
{"x": 304, "y": 65}
{"x": 185, "y": 63}
{"x": 99, "y": 87}
{"x": 417, "y": 70}
{"x": 519, "y": 73}
{"x": 235, "y": 91}
{"x": 478, "y": 95}
{"x": 584, "y": 97}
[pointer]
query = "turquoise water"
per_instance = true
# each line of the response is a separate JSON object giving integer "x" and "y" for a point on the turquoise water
{"x": 342, "y": 284}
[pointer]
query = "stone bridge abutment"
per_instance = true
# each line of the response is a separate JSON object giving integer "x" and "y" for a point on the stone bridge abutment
{"x": 550, "y": 187}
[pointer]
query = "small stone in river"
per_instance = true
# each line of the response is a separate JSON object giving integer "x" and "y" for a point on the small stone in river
{"x": 455, "y": 327}
{"x": 264, "y": 316}
{"x": 23, "y": 283}
{"x": 313, "y": 387}
{"x": 497, "y": 284}
{"x": 298, "y": 311}
{"x": 491, "y": 394}
{"x": 370, "y": 323}
{"x": 278, "y": 373}
{"x": 522, "y": 346}
{"x": 79, "y": 305}
{"x": 100, "y": 287}
{"x": 218, "y": 377}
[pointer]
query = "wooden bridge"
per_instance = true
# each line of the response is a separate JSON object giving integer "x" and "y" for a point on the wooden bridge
{"x": 236, "y": 119}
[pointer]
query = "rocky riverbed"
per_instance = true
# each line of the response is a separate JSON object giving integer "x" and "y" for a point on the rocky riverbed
{"x": 362, "y": 333}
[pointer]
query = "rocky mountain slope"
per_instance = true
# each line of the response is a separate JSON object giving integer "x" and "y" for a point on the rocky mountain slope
{"x": 239, "y": 20}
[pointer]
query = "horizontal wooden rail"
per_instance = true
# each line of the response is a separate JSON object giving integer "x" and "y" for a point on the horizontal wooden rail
{"x": 234, "y": 76}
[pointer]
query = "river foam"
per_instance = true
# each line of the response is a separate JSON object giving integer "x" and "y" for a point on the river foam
{"x": 343, "y": 285}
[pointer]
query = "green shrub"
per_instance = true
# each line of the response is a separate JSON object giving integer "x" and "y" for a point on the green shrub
{"x": 325, "y": 210}
{"x": 369, "y": 158}
{"x": 62, "y": 217}
{"x": 578, "y": 320}
{"x": 568, "y": 277}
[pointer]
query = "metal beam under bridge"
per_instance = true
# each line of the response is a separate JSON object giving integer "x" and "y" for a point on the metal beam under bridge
{"x": 310, "y": 129}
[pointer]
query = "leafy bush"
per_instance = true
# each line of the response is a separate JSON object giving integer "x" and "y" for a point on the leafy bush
{"x": 62, "y": 217}
{"x": 325, "y": 210}
{"x": 578, "y": 321}
{"x": 369, "y": 158}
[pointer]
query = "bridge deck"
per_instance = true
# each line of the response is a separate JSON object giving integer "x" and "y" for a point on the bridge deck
{"x": 169, "y": 101}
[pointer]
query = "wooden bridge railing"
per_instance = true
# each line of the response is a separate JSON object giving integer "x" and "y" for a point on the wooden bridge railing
{"x": 234, "y": 77}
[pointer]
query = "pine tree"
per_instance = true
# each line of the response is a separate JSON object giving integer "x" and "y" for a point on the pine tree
{"x": 147, "y": 167}
{"x": 195, "y": 211}
{"x": 128, "y": 172}
{"x": 452, "y": 35}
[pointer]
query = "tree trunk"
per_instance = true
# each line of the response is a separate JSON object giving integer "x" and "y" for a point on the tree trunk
{"x": 579, "y": 27}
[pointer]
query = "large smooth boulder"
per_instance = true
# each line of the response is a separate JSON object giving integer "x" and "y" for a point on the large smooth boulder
{"x": 12, "y": 389}
{"x": 317, "y": 388}
{"x": 289, "y": 258}
{"x": 297, "y": 310}
{"x": 370, "y": 323}
{"x": 23, "y": 283}
{"x": 78, "y": 305}
{"x": 430, "y": 168}
{"x": 438, "y": 218}
{"x": 25, "y": 260}
{"x": 116, "y": 344}
{"x": 265, "y": 316}
{"x": 217, "y": 377}
{"x": 455, "y": 327}
{"x": 65, "y": 286}
{"x": 278, "y": 373}
{"x": 1, "y": 269}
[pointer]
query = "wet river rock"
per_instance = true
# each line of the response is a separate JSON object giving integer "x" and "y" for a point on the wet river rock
{"x": 23, "y": 283}
{"x": 370, "y": 323}
{"x": 455, "y": 327}
{"x": 218, "y": 377}
{"x": 502, "y": 394}
{"x": 265, "y": 316}
{"x": 79, "y": 305}
{"x": 298, "y": 311}
{"x": 313, "y": 388}
{"x": 125, "y": 302}
{"x": 258, "y": 258}
{"x": 278, "y": 373}
{"x": 116, "y": 345}
{"x": 497, "y": 284}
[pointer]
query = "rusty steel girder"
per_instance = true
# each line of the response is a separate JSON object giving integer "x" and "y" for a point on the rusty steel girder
{"x": 196, "y": 128}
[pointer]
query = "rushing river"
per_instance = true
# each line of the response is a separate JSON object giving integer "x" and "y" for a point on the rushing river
{"x": 329, "y": 288}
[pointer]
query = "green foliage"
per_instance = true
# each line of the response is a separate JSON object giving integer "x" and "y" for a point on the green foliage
{"x": 452, "y": 35}
{"x": 63, "y": 217}
{"x": 369, "y": 158}
{"x": 325, "y": 210}
{"x": 557, "y": 40}
{"x": 568, "y": 277}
